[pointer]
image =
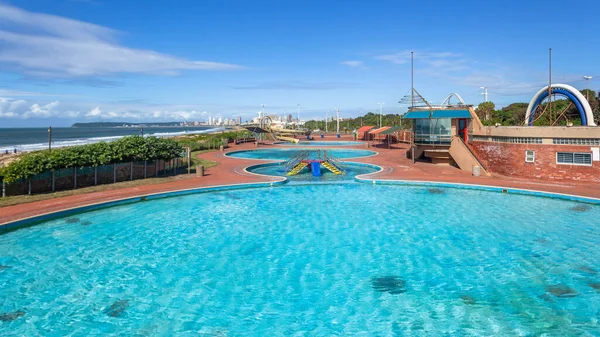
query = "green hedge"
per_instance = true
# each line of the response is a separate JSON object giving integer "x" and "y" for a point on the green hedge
{"x": 211, "y": 141}
{"x": 132, "y": 148}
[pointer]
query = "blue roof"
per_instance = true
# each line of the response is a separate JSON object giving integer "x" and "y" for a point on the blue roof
{"x": 438, "y": 114}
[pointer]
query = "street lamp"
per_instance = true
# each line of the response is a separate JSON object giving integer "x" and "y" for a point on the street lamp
{"x": 298, "y": 122}
{"x": 587, "y": 90}
{"x": 49, "y": 138}
{"x": 484, "y": 93}
{"x": 380, "y": 108}
{"x": 338, "y": 122}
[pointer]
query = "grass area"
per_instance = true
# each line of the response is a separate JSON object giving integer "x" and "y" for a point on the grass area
{"x": 197, "y": 161}
{"x": 22, "y": 199}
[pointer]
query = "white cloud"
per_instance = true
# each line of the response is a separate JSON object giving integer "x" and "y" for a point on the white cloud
{"x": 94, "y": 112}
{"x": 11, "y": 108}
{"x": 36, "y": 110}
{"x": 355, "y": 64}
{"x": 45, "y": 45}
{"x": 18, "y": 108}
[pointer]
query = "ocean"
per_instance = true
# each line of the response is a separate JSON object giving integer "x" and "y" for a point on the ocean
{"x": 29, "y": 139}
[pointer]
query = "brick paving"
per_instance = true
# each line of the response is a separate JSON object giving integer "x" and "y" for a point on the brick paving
{"x": 231, "y": 171}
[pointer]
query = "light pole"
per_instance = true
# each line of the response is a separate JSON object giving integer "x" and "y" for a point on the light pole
{"x": 298, "y": 117}
{"x": 338, "y": 122}
{"x": 380, "y": 108}
{"x": 326, "y": 113}
{"x": 49, "y": 138}
{"x": 484, "y": 93}
{"x": 587, "y": 88}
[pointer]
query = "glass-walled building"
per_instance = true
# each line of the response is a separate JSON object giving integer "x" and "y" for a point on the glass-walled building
{"x": 435, "y": 129}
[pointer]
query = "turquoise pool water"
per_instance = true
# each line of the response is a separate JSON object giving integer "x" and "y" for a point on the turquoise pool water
{"x": 304, "y": 176}
{"x": 285, "y": 154}
{"x": 309, "y": 260}
{"x": 323, "y": 143}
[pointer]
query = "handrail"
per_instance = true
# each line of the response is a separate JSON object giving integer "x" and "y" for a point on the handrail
{"x": 432, "y": 138}
{"x": 335, "y": 161}
{"x": 295, "y": 160}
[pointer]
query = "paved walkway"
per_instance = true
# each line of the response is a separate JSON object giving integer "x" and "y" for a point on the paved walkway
{"x": 230, "y": 171}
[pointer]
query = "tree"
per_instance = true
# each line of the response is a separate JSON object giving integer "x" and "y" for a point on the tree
{"x": 513, "y": 114}
{"x": 485, "y": 110}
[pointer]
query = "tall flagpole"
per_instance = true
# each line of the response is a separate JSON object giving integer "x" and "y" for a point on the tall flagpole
{"x": 550, "y": 86}
{"x": 412, "y": 80}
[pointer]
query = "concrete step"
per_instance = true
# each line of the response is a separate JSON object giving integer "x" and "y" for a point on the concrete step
{"x": 441, "y": 160}
{"x": 441, "y": 153}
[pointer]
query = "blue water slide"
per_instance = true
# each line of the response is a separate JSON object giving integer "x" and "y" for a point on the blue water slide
{"x": 315, "y": 168}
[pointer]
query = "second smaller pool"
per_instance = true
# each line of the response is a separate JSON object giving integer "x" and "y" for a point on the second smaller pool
{"x": 322, "y": 143}
{"x": 285, "y": 154}
{"x": 304, "y": 176}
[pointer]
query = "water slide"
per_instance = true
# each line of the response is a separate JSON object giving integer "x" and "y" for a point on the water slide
{"x": 288, "y": 139}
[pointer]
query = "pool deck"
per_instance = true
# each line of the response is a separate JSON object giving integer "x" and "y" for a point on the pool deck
{"x": 231, "y": 171}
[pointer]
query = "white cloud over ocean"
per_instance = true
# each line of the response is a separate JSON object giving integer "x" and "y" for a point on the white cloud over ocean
{"x": 54, "y": 111}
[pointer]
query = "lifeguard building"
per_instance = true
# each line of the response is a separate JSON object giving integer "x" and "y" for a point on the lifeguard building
{"x": 452, "y": 134}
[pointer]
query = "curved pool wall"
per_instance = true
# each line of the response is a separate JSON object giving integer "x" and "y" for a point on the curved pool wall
{"x": 363, "y": 178}
{"x": 310, "y": 270}
{"x": 499, "y": 189}
{"x": 286, "y": 153}
{"x": 353, "y": 169}
{"x": 30, "y": 221}
{"x": 321, "y": 143}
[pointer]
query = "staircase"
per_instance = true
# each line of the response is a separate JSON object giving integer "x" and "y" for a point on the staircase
{"x": 439, "y": 156}
{"x": 331, "y": 167}
{"x": 332, "y": 163}
{"x": 302, "y": 158}
{"x": 464, "y": 158}
{"x": 297, "y": 168}
{"x": 296, "y": 159}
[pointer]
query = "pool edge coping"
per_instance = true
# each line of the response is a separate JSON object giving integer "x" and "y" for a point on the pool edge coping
{"x": 32, "y": 220}
{"x": 363, "y": 178}
{"x": 479, "y": 187}
{"x": 227, "y": 154}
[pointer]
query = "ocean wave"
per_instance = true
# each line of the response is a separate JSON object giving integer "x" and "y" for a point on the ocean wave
{"x": 91, "y": 140}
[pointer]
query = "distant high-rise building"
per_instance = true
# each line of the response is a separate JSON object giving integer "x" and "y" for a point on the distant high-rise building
{"x": 239, "y": 120}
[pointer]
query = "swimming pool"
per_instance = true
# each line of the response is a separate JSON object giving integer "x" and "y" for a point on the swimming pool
{"x": 304, "y": 176}
{"x": 322, "y": 143}
{"x": 315, "y": 260}
{"x": 285, "y": 154}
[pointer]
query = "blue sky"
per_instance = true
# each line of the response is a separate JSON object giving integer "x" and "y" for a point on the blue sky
{"x": 63, "y": 61}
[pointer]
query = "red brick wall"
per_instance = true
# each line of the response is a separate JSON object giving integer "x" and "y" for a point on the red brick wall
{"x": 509, "y": 159}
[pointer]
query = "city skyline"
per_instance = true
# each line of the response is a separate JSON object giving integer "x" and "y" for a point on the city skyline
{"x": 70, "y": 61}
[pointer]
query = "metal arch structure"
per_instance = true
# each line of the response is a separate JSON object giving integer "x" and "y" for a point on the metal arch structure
{"x": 583, "y": 106}
{"x": 446, "y": 100}
{"x": 262, "y": 121}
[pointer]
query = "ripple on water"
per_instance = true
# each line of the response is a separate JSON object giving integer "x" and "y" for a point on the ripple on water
{"x": 319, "y": 260}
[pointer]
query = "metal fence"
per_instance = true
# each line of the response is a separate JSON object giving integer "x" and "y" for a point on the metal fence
{"x": 79, "y": 177}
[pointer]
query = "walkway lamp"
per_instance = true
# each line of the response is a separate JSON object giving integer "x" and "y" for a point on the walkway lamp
{"x": 587, "y": 88}
{"x": 49, "y": 138}
{"x": 380, "y": 107}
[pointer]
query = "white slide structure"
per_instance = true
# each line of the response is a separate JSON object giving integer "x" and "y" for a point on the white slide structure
{"x": 587, "y": 117}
